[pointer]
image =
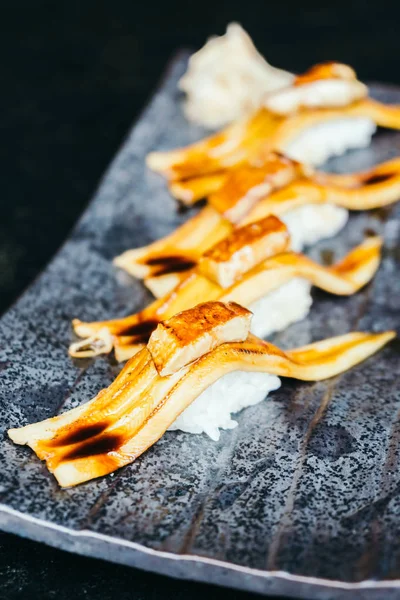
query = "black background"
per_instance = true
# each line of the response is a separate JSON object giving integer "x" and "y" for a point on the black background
{"x": 74, "y": 75}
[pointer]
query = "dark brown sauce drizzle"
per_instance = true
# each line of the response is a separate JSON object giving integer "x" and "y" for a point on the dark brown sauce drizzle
{"x": 369, "y": 232}
{"x": 80, "y": 434}
{"x": 382, "y": 213}
{"x": 162, "y": 260}
{"x": 182, "y": 208}
{"x": 103, "y": 445}
{"x": 169, "y": 264}
{"x": 141, "y": 331}
{"x": 378, "y": 178}
{"x": 327, "y": 257}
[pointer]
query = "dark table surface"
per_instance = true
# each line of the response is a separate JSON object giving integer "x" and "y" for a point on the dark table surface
{"x": 74, "y": 77}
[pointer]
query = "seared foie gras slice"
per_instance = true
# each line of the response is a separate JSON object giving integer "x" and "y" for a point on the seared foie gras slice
{"x": 243, "y": 249}
{"x": 247, "y": 184}
{"x": 117, "y": 426}
{"x": 190, "y": 334}
{"x": 129, "y": 334}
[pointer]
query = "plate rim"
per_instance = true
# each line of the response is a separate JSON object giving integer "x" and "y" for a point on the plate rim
{"x": 184, "y": 566}
{"x": 11, "y": 519}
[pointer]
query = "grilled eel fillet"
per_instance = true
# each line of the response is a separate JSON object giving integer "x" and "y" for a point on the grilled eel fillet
{"x": 163, "y": 262}
{"x": 128, "y": 417}
{"x": 129, "y": 334}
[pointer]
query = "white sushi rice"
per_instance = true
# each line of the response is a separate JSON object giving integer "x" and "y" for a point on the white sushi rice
{"x": 311, "y": 223}
{"x": 277, "y": 310}
{"x": 211, "y": 411}
{"x": 332, "y": 138}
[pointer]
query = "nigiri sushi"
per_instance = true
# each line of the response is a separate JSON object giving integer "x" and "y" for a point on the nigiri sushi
{"x": 251, "y": 266}
{"x": 207, "y": 348}
{"x": 320, "y": 114}
{"x": 313, "y": 205}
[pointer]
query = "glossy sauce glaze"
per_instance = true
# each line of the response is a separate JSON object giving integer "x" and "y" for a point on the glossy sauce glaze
{"x": 79, "y": 434}
{"x": 378, "y": 178}
{"x": 140, "y": 331}
{"x": 162, "y": 265}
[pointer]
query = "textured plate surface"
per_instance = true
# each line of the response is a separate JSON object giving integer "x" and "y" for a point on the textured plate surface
{"x": 302, "y": 499}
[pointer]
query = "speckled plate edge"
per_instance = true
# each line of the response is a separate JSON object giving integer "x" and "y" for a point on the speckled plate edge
{"x": 183, "y": 566}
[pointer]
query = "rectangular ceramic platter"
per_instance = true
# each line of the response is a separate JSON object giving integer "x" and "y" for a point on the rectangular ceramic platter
{"x": 302, "y": 499}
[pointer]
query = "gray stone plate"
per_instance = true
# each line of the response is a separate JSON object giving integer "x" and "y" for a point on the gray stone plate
{"x": 302, "y": 499}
